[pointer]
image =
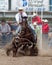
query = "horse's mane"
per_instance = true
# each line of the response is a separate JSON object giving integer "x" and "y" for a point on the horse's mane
{"x": 26, "y": 31}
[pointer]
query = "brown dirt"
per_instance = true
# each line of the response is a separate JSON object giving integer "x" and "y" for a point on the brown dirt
{"x": 24, "y": 60}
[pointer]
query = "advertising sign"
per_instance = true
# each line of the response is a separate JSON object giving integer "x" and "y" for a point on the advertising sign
{"x": 15, "y": 4}
{"x": 38, "y": 5}
{"x": 3, "y": 5}
{"x": 31, "y": 5}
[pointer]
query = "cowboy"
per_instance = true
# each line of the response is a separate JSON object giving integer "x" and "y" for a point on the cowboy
{"x": 19, "y": 15}
{"x": 18, "y": 18}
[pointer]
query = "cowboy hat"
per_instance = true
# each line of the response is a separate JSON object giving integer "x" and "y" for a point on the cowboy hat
{"x": 34, "y": 14}
{"x": 34, "y": 23}
{"x": 20, "y": 8}
{"x": 45, "y": 20}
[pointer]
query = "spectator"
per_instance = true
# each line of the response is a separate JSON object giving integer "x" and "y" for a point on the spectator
{"x": 4, "y": 31}
{"x": 45, "y": 31}
{"x": 45, "y": 27}
{"x": 13, "y": 26}
{"x": 36, "y": 19}
{"x": 36, "y": 28}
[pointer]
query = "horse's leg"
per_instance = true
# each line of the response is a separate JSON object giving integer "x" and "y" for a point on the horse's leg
{"x": 21, "y": 50}
{"x": 8, "y": 52}
{"x": 36, "y": 51}
{"x": 32, "y": 51}
{"x": 14, "y": 52}
{"x": 9, "y": 49}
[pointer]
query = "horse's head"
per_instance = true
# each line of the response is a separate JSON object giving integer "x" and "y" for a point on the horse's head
{"x": 24, "y": 22}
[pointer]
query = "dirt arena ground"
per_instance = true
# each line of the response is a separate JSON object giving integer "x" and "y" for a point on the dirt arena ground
{"x": 24, "y": 60}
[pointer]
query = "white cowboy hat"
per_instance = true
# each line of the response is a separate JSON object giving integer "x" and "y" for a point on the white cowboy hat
{"x": 45, "y": 20}
{"x": 20, "y": 8}
{"x": 34, "y": 23}
{"x": 34, "y": 14}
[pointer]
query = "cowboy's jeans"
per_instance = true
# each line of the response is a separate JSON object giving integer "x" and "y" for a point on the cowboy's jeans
{"x": 18, "y": 29}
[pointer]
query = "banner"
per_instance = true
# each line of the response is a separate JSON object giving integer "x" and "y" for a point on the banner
{"x": 38, "y": 5}
{"x": 21, "y": 3}
{"x": 30, "y": 5}
{"x": 3, "y": 5}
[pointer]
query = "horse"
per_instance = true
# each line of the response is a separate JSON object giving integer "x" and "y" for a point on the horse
{"x": 25, "y": 38}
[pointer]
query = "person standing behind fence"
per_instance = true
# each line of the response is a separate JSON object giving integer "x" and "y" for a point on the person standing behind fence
{"x": 36, "y": 28}
{"x": 36, "y": 19}
{"x": 45, "y": 31}
{"x": 4, "y": 31}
